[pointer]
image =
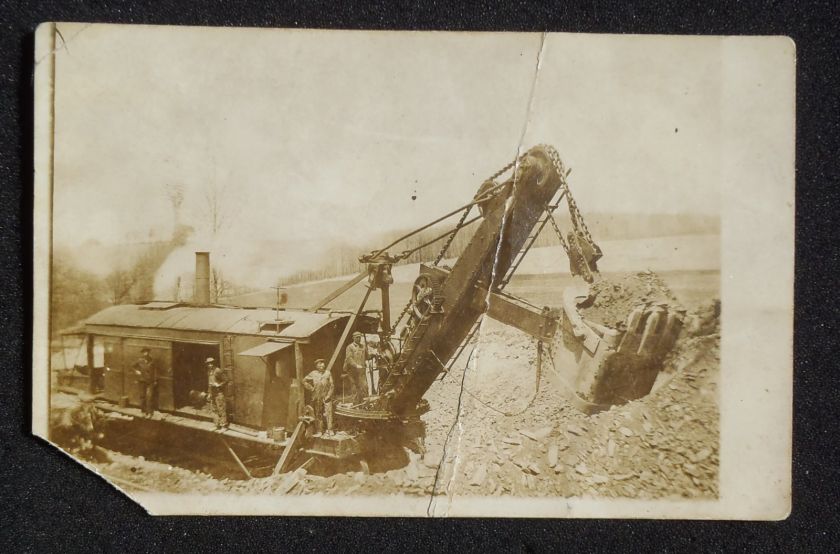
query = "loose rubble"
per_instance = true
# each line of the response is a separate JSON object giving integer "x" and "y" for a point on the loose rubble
{"x": 664, "y": 445}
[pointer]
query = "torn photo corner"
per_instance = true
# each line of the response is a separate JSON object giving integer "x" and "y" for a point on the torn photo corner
{"x": 428, "y": 274}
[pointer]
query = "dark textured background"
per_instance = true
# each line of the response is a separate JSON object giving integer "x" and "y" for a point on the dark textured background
{"x": 51, "y": 503}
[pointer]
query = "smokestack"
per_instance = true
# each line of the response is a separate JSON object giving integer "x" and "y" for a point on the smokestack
{"x": 201, "y": 292}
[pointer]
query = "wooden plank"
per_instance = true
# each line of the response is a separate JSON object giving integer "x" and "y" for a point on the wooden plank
{"x": 291, "y": 447}
{"x": 294, "y": 478}
{"x": 189, "y": 422}
{"x": 338, "y": 292}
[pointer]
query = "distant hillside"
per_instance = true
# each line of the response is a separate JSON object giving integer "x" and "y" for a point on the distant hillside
{"x": 603, "y": 226}
{"x": 284, "y": 262}
{"x": 613, "y": 226}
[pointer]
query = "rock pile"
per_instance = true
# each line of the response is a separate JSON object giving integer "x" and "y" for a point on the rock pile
{"x": 614, "y": 299}
{"x": 664, "y": 445}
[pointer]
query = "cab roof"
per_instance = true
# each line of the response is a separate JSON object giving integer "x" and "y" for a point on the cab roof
{"x": 216, "y": 319}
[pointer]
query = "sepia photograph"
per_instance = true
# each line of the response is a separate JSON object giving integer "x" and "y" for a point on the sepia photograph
{"x": 428, "y": 274}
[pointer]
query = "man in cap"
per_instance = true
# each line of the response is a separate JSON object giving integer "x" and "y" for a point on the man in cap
{"x": 319, "y": 383}
{"x": 217, "y": 381}
{"x": 145, "y": 369}
{"x": 355, "y": 362}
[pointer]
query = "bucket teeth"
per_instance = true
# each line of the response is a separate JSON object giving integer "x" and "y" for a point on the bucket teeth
{"x": 651, "y": 331}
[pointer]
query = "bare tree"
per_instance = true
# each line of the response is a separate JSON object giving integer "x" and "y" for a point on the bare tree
{"x": 216, "y": 206}
{"x": 175, "y": 193}
{"x": 75, "y": 294}
{"x": 119, "y": 284}
{"x": 219, "y": 288}
{"x": 176, "y": 290}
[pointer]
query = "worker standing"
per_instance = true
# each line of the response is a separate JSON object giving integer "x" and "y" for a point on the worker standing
{"x": 146, "y": 370}
{"x": 355, "y": 363}
{"x": 217, "y": 380}
{"x": 319, "y": 383}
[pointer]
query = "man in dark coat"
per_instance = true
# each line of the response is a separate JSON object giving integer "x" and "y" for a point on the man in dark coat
{"x": 319, "y": 383}
{"x": 145, "y": 369}
{"x": 217, "y": 381}
{"x": 355, "y": 364}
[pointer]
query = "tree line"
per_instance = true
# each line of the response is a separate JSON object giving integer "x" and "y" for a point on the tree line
{"x": 344, "y": 259}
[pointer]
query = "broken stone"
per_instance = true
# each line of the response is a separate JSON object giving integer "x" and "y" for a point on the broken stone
{"x": 575, "y": 430}
{"x": 534, "y": 468}
{"x": 701, "y": 455}
{"x": 570, "y": 459}
{"x": 543, "y": 432}
{"x": 552, "y": 454}
{"x": 691, "y": 469}
{"x": 611, "y": 448}
{"x": 511, "y": 440}
{"x": 528, "y": 434}
{"x": 432, "y": 458}
{"x": 479, "y": 476}
{"x": 599, "y": 479}
{"x": 582, "y": 469}
{"x": 530, "y": 481}
{"x": 411, "y": 471}
{"x": 625, "y": 431}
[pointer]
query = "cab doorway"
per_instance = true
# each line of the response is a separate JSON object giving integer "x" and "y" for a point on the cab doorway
{"x": 188, "y": 372}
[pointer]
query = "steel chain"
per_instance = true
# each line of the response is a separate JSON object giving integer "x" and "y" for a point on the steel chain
{"x": 458, "y": 226}
{"x": 402, "y": 315}
{"x": 559, "y": 234}
{"x": 577, "y": 219}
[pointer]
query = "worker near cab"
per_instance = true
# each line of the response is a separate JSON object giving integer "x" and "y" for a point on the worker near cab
{"x": 319, "y": 383}
{"x": 145, "y": 368}
{"x": 355, "y": 364}
{"x": 217, "y": 381}
{"x": 373, "y": 365}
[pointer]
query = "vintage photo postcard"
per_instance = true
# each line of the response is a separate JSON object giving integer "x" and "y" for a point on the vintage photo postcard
{"x": 427, "y": 274}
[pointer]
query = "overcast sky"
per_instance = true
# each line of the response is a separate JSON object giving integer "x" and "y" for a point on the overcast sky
{"x": 318, "y": 135}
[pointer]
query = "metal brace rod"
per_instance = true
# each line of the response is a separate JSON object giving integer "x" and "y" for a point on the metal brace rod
{"x": 235, "y": 457}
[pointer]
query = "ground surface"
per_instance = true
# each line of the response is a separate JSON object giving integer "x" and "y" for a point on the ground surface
{"x": 491, "y": 431}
